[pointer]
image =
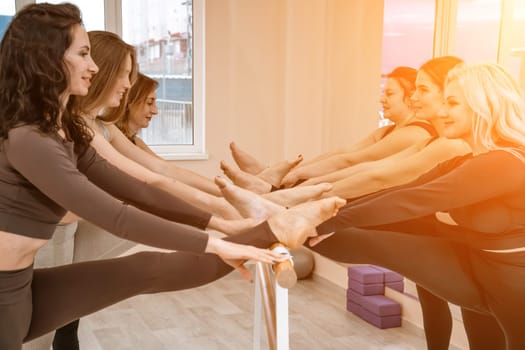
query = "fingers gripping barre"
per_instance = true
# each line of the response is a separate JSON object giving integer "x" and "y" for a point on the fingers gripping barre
{"x": 285, "y": 274}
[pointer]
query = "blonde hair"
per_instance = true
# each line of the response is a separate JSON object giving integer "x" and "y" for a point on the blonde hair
{"x": 497, "y": 103}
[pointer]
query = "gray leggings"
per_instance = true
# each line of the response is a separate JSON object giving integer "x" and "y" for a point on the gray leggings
{"x": 35, "y": 302}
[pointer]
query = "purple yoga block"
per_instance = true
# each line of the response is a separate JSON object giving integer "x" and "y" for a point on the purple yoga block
{"x": 354, "y": 296}
{"x": 377, "y": 304}
{"x": 380, "y": 305}
{"x": 365, "y": 274}
{"x": 399, "y": 286}
{"x": 366, "y": 289}
{"x": 380, "y": 321}
{"x": 389, "y": 275}
{"x": 353, "y": 307}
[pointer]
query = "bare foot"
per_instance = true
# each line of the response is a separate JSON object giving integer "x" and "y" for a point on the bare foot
{"x": 274, "y": 174}
{"x": 245, "y": 161}
{"x": 249, "y": 204}
{"x": 292, "y": 196}
{"x": 293, "y": 226}
{"x": 310, "y": 182}
{"x": 292, "y": 178}
{"x": 227, "y": 211}
{"x": 246, "y": 180}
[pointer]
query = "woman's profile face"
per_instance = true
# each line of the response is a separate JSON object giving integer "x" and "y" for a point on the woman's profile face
{"x": 79, "y": 63}
{"x": 120, "y": 85}
{"x": 395, "y": 103}
{"x": 140, "y": 114}
{"x": 456, "y": 115}
{"x": 428, "y": 97}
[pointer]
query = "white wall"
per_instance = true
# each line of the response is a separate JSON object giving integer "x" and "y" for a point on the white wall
{"x": 288, "y": 77}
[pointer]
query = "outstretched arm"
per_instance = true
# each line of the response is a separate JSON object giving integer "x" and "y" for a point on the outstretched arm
{"x": 196, "y": 197}
{"x": 460, "y": 182}
{"x": 49, "y": 165}
{"x": 372, "y": 138}
{"x": 142, "y": 145}
{"x": 393, "y": 172}
{"x": 391, "y": 144}
{"x": 159, "y": 165}
{"x": 363, "y": 167}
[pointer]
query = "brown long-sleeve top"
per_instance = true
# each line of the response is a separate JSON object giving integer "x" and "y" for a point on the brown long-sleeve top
{"x": 41, "y": 177}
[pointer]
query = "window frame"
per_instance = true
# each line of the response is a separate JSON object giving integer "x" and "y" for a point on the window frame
{"x": 197, "y": 150}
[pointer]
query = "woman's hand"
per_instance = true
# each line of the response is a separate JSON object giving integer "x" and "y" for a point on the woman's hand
{"x": 233, "y": 251}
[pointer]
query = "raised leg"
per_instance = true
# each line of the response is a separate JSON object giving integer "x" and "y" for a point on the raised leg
{"x": 246, "y": 180}
{"x": 297, "y": 195}
{"x": 275, "y": 173}
{"x": 395, "y": 251}
{"x": 245, "y": 161}
{"x": 248, "y": 203}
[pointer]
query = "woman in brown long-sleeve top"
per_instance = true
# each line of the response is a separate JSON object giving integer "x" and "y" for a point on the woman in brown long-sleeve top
{"x": 48, "y": 167}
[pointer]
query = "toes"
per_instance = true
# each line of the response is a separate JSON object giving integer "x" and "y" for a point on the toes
{"x": 298, "y": 160}
{"x": 219, "y": 181}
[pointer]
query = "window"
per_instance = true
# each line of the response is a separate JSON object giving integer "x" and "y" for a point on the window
{"x": 408, "y": 31}
{"x": 477, "y": 30}
{"x": 470, "y": 29}
{"x": 169, "y": 37}
{"x": 511, "y": 51}
{"x": 166, "y": 33}
{"x": 7, "y": 10}
{"x": 92, "y": 12}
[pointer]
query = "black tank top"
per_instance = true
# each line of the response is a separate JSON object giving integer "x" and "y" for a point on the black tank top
{"x": 427, "y": 126}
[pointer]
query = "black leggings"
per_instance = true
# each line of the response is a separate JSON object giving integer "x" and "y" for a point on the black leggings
{"x": 483, "y": 331}
{"x": 35, "y": 302}
{"x": 66, "y": 337}
{"x": 489, "y": 285}
{"x": 437, "y": 320}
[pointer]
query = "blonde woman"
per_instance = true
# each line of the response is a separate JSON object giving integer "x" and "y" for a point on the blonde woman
{"x": 465, "y": 216}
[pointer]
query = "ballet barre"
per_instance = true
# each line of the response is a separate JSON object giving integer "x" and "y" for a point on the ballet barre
{"x": 271, "y": 300}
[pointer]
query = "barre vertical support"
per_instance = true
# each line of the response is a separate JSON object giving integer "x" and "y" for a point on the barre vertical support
{"x": 271, "y": 301}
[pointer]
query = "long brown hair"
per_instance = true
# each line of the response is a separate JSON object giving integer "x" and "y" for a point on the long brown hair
{"x": 438, "y": 68}
{"x": 406, "y": 77}
{"x": 109, "y": 52}
{"x": 33, "y": 74}
{"x": 137, "y": 96}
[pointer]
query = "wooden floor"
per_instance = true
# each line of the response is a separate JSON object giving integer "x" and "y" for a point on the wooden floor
{"x": 220, "y": 316}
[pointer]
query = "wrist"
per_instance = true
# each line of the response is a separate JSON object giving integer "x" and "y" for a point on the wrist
{"x": 213, "y": 245}
{"x": 218, "y": 224}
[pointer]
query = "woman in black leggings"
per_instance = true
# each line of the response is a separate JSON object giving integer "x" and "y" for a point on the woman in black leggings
{"x": 465, "y": 219}
{"x": 48, "y": 167}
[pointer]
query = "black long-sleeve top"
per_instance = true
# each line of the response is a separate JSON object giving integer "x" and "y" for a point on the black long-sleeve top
{"x": 41, "y": 177}
{"x": 483, "y": 193}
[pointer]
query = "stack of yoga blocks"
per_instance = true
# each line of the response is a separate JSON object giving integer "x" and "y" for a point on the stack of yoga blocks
{"x": 365, "y": 295}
